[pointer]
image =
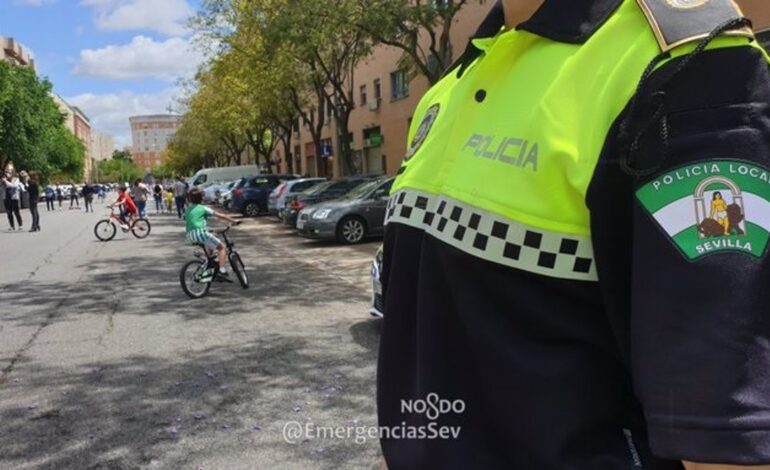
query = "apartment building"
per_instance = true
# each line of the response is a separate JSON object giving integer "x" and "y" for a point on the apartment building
{"x": 150, "y": 136}
{"x": 76, "y": 121}
{"x": 102, "y": 146}
{"x": 13, "y": 51}
{"x": 386, "y": 100}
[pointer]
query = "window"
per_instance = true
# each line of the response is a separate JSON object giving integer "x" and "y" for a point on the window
{"x": 260, "y": 183}
{"x": 363, "y": 95}
{"x": 303, "y": 185}
{"x": 377, "y": 90}
{"x": 399, "y": 85}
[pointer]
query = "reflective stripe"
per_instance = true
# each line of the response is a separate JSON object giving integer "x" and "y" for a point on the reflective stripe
{"x": 495, "y": 238}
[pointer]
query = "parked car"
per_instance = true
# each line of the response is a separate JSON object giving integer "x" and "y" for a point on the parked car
{"x": 213, "y": 194}
{"x": 250, "y": 194}
{"x": 226, "y": 199}
{"x": 277, "y": 200}
{"x": 209, "y": 192}
{"x": 320, "y": 193}
{"x": 350, "y": 219}
{"x": 378, "y": 301}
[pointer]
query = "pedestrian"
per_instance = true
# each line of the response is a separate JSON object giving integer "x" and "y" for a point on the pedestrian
{"x": 33, "y": 189}
{"x": 74, "y": 196}
{"x": 50, "y": 196}
{"x": 157, "y": 194}
{"x": 59, "y": 194}
{"x": 139, "y": 193}
{"x": 12, "y": 189}
{"x": 180, "y": 196}
{"x": 88, "y": 197}
{"x": 100, "y": 192}
{"x": 168, "y": 196}
{"x": 548, "y": 284}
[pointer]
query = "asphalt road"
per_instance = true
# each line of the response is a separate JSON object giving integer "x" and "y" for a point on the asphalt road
{"x": 105, "y": 363}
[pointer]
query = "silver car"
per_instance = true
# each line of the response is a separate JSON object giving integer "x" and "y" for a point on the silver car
{"x": 350, "y": 219}
{"x": 276, "y": 201}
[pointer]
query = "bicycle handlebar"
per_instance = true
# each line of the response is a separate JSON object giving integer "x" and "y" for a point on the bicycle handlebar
{"x": 227, "y": 229}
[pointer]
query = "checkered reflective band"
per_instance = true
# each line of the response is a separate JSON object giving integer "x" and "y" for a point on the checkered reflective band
{"x": 495, "y": 238}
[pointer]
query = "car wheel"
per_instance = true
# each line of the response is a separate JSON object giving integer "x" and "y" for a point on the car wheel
{"x": 351, "y": 230}
{"x": 251, "y": 209}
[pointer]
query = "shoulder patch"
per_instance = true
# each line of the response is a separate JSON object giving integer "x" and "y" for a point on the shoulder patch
{"x": 677, "y": 22}
{"x": 712, "y": 207}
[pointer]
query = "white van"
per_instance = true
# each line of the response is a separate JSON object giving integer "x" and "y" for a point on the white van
{"x": 223, "y": 174}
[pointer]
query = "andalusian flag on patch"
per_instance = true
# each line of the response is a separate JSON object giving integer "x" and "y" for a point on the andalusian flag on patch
{"x": 712, "y": 207}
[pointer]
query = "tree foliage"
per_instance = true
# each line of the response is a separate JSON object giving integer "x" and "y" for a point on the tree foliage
{"x": 421, "y": 29}
{"x": 124, "y": 154}
{"x": 275, "y": 63}
{"x": 32, "y": 132}
{"x": 117, "y": 170}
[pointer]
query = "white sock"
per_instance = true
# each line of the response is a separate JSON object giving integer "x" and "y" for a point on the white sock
{"x": 222, "y": 270}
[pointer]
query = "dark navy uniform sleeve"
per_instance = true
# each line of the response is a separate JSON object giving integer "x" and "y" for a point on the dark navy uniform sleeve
{"x": 680, "y": 208}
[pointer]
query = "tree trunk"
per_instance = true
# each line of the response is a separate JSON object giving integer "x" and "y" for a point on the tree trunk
{"x": 288, "y": 154}
{"x": 344, "y": 144}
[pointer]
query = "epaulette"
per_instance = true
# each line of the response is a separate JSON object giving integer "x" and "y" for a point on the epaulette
{"x": 677, "y": 22}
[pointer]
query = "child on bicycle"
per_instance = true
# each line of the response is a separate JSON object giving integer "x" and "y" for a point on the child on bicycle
{"x": 197, "y": 228}
{"x": 128, "y": 209}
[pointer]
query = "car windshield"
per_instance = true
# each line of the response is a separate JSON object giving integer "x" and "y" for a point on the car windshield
{"x": 362, "y": 189}
{"x": 318, "y": 188}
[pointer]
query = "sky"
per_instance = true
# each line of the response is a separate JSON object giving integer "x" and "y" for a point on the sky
{"x": 111, "y": 58}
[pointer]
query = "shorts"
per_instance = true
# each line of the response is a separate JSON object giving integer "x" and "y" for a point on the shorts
{"x": 205, "y": 238}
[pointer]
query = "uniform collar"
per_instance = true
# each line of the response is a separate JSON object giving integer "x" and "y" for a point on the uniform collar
{"x": 572, "y": 21}
{"x": 569, "y": 21}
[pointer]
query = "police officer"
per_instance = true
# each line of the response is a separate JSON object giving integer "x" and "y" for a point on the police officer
{"x": 554, "y": 267}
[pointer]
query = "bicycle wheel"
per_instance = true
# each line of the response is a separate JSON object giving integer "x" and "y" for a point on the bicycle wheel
{"x": 195, "y": 279}
{"x": 239, "y": 269}
{"x": 141, "y": 228}
{"x": 105, "y": 230}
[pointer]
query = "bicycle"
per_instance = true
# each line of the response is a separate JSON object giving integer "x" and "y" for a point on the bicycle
{"x": 196, "y": 276}
{"x": 106, "y": 229}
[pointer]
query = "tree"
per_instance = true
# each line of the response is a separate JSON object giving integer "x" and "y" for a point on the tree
{"x": 161, "y": 172}
{"x": 117, "y": 170}
{"x": 32, "y": 132}
{"x": 322, "y": 35}
{"x": 317, "y": 41}
{"x": 65, "y": 155}
{"x": 419, "y": 28}
{"x": 124, "y": 154}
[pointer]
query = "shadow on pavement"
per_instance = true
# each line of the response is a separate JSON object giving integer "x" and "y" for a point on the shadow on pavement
{"x": 220, "y": 401}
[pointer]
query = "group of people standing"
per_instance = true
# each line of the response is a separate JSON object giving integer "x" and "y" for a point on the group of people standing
{"x": 13, "y": 186}
{"x": 59, "y": 193}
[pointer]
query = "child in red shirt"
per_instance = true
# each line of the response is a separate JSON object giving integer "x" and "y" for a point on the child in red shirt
{"x": 128, "y": 208}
